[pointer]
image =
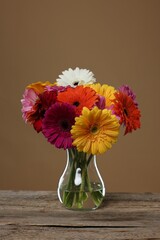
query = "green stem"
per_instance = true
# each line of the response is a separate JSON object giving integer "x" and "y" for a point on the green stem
{"x": 83, "y": 171}
{"x": 89, "y": 159}
{"x": 85, "y": 176}
{"x": 68, "y": 196}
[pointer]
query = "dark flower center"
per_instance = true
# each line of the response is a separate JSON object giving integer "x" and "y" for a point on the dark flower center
{"x": 76, "y": 103}
{"x": 75, "y": 83}
{"x": 125, "y": 112}
{"x": 64, "y": 124}
{"x": 94, "y": 129}
{"x": 39, "y": 111}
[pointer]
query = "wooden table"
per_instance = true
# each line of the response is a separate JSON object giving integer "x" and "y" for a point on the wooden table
{"x": 39, "y": 215}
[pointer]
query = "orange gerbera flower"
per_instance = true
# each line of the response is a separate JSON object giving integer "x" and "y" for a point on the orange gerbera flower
{"x": 79, "y": 97}
{"x": 39, "y": 87}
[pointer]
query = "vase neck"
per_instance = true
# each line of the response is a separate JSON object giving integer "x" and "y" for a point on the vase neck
{"x": 83, "y": 158}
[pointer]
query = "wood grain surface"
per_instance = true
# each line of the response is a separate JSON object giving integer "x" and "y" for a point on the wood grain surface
{"x": 40, "y": 216}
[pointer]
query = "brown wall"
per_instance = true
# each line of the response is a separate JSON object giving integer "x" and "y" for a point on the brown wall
{"x": 119, "y": 40}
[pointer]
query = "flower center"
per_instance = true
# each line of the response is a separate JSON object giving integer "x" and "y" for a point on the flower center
{"x": 75, "y": 83}
{"x": 125, "y": 112}
{"x": 76, "y": 103}
{"x": 64, "y": 125}
{"x": 94, "y": 129}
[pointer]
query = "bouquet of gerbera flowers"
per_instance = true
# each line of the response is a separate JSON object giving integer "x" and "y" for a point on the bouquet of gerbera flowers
{"x": 80, "y": 115}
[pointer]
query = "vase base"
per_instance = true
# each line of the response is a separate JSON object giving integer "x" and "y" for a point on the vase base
{"x": 83, "y": 200}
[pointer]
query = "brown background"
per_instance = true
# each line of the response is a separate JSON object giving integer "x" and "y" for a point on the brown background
{"x": 120, "y": 42}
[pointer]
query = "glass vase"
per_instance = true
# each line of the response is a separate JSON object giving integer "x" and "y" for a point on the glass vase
{"x": 81, "y": 186}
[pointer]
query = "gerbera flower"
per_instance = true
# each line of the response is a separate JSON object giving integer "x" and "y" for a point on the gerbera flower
{"x": 95, "y": 130}
{"x": 31, "y": 96}
{"x": 106, "y": 91}
{"x": 34, "y": 106}
{"x": 126, "y": 109}
{"x": 29, "y": 99}
{"x": 101, "y": 103}
{"x": 39, "y": 87}
{"x": 79, "y": 97}
{"x": 57, "y": 124}
{"x": 75, "y": 77}
{"x": 55, "y": 88}
{"x": 45, "y": 100}
{"x": 127, "y": 90}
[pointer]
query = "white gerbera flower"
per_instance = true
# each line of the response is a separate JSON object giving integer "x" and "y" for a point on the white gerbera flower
{"x": 75, "y": 77}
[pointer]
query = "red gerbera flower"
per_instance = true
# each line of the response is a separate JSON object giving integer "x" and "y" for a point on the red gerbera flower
{"x": 79, "y": 97}
{"x": 44, "y": 101}
{"x": 125, "y": 108}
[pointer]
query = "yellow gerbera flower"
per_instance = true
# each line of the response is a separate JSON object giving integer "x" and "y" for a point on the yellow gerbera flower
{"x": 106, "y": 91}
{"x": 38, "y": 87}
{"x": 95, "y": 130}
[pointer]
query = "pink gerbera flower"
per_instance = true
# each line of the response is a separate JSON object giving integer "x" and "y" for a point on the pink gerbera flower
{"x": 57, "y": 124}
{"x": 29, "y": 99}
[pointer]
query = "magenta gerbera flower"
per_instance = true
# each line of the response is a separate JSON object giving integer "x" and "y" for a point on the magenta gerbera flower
{"x": 101, "y": 103}
{"x": 57, "y": 124}
{"x": 55, "y": 88}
